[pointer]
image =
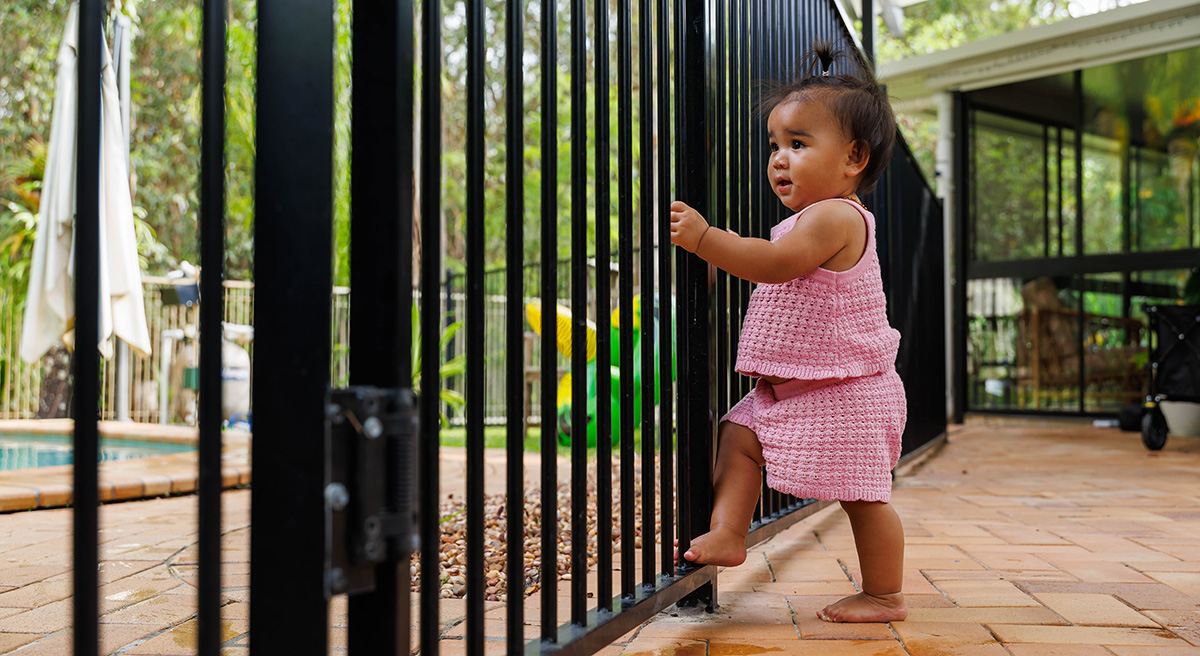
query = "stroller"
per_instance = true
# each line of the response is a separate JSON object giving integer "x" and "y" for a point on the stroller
{"x": 1174, "y": 365}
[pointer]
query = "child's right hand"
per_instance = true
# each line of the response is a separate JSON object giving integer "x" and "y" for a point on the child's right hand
{"x": 687, "y": 226}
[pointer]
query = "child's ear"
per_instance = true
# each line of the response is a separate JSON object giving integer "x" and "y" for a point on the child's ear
{"x": 857, "y": 156}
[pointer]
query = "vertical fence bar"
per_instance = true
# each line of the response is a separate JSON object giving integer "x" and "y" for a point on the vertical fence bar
{"x": 758, "y": 193}
{"x": 381, "y": 276}
{"x": 683, "y": 416}
{"x": 961, "y": 154}
{"x": 475, "y": 324}
{"x": 514, "y": 336}
{"x": 696, "y": 111}
{"x": 625, "y": 292}
{"x": 549, "y": 365}
{"x": 293, "y": 209}
{"x": 719, "y": 316}
{"x": 603, "y": 321}
{"x": 431, "y": 320}
{"x": 647, "y": 186}
{"x": 85, "y": 473}
{"x": 736, "y": 107}
{"x": 212, "y": 256}
{"x": 579, "y": 287}
{"x": 666, "y": 415}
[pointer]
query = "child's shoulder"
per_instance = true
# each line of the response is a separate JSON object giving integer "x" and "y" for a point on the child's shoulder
{"x": 833, "y": 214}
{"x": 833, "y": 209}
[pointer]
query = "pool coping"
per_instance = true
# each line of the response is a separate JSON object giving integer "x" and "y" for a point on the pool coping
{"x": 120, "y": 480}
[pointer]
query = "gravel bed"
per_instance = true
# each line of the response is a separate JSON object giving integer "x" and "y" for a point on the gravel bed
{"x": 454, "y": 537}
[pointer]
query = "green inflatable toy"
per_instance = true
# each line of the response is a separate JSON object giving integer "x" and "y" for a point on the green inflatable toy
{"x": 564, "y": 400}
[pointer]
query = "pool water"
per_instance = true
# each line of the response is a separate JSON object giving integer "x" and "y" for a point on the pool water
{"x": 29, "y": 451}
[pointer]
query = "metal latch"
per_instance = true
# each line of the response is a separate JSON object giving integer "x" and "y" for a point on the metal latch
{"x": 370, "y": 484}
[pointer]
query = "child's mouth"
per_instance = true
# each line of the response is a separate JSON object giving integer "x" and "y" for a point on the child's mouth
{"x": 783, "y": 186}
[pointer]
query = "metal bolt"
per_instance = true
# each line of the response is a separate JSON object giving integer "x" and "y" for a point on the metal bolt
{"x": 337, "y": 496}
{"x": 1181, "y": 338}
{"x": 333, "y": 412}
{"x": 371, "y": 549}
{"x": 372, "y": 526}
{"x": 373, "y": 427}
{"x": 337, "y": 580}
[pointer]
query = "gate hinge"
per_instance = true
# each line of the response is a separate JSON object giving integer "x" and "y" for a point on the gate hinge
{"x": 370, "y": 484}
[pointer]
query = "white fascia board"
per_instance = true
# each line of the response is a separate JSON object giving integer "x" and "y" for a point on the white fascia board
{"x": 850, "y": 24}
{"x": 1116, "y": 35}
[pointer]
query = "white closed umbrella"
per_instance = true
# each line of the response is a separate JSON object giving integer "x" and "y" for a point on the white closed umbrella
{"x": 51, "y": 302}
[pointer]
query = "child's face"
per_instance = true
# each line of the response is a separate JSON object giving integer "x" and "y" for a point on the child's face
{"x": 810, "y": 157}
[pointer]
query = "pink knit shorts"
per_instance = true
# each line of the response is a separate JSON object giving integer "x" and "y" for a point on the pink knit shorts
{"x": 828, "y": 439}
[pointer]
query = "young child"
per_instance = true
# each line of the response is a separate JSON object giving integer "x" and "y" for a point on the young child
{"x": 828, "y": 410}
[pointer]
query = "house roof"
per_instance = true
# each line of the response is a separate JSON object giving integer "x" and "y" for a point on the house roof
{"x": 1116, "y": 35}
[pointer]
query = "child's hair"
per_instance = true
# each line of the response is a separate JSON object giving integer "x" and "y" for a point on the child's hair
{"x": 852, "y": 96}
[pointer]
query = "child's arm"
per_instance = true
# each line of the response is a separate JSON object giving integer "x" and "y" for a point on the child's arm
{"x": 824, "y": 232}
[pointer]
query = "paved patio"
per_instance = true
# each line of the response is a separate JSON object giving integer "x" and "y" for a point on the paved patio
{"x": 1028, "y": 539}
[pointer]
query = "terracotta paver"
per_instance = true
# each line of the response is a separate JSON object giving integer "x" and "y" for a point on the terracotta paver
{"x": 1023, "y": 539}
{"x": 1034, "y": 538}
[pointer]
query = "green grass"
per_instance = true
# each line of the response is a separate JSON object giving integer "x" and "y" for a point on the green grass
{"x": 494, "y": 438}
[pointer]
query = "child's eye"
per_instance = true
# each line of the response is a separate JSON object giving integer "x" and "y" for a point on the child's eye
{"x": 797, "y": 144}
{"x": 774, "y": 147}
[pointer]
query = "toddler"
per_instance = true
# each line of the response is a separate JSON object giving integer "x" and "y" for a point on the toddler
{"x": 828, "y": 410}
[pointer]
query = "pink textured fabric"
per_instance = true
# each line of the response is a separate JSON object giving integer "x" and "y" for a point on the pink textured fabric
{"x": 825, "y": 324}
{"x": 828, "y": 439}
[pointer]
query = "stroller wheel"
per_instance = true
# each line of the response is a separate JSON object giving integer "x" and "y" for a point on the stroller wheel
{"x": 1154, "y": 429}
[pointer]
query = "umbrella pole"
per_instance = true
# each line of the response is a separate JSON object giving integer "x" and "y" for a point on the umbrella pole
{"x": 122, "y": 409}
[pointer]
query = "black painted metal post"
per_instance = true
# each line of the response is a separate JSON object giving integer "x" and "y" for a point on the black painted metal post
{"x": 431, "y": 320}
{"x": 666, "y": 421}
{"x": 381, "y": 273}
{"x": 514, "y": 288}
{"x": 579, "y": 287}
{"x": 549, "y": 296}
{"x": 474, "y": 325}
{"x": 604, "y": 426}
{"x": 695, "y": 420}
{"x": 625, "y": 256}
{"x": 720, "y": 216}
{"x": 212, "y": 257}
{"x": 868, "y": 30}
{"x": 86, "y": 410}
{"x": 293, "y": 223}
{"x": 647, "y": 185}
{"x": 961, "y": 228}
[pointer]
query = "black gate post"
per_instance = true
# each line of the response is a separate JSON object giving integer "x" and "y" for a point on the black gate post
{"x": 85, "y": 405}
{"x": 381, "y": 267}
{"x": 293, "y": 227}
{"x": 212, "y": 257}
{"x": 695, "y": 391}
{"x": 962, "y": 229}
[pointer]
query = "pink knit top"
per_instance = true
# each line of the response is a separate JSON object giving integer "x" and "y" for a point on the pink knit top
{"x": 826, "y": 324}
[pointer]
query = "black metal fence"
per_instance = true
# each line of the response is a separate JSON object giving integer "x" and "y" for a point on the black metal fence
{"x": 345, "y": 490}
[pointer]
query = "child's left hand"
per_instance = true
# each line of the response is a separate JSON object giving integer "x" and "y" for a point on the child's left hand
{"x": 687, "y": 226}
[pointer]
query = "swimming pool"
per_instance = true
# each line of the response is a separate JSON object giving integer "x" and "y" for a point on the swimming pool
{"x": 29, "y": 451}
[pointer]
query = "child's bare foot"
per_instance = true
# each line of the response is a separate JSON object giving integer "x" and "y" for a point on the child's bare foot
{"x": 863, "y": 607}
{"x": 721, "y": 546}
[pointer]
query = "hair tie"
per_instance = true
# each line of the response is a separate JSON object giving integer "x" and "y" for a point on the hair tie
{"x": 825, "y": 73}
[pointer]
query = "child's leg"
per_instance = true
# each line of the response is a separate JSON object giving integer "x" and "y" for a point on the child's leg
{"x": 737, "y": 483}
{"x": 879, "y": 539}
